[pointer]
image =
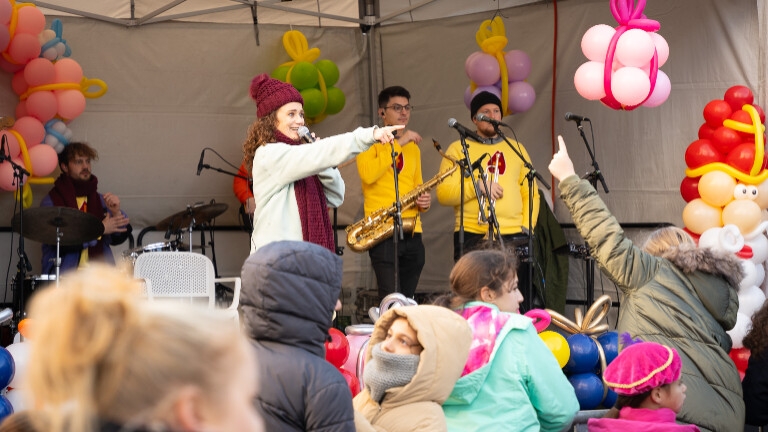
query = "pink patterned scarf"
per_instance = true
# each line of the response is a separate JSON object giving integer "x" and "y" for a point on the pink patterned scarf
{"x": 486, "y": 323}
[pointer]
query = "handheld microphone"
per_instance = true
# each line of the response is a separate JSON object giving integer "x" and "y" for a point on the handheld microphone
{"x": 464, "y": 131}
{"x": 200, "y": 164}
{"x": 476, "y": 164}
{"x": 485, "y": 118}
{"x": 306, "y": 135}
{"x": 574, "y": 117}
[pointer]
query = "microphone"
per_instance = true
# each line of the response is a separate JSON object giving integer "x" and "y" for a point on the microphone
{"x": 476, "y": 164}
{"x": 464, "y": 131}
{"x": 305, "y": 135}
{"x": 200, "y": 164}
{"x": 485, "y": 118}
{"x": 574, "y": 117}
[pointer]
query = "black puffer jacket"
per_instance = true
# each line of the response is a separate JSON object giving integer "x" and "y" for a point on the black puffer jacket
{"x": 289, "y": 291}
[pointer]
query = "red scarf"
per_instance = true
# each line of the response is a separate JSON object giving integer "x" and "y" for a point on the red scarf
{"x": 313, "y": 211}
{"x": 64, "y": 194}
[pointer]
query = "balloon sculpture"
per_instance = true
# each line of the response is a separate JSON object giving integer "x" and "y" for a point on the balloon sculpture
{"x": 315, "y": 81}
{"x": 623, "y": 67}
{"x": 497, "y": 72}
{"x": 588, "y": 354}
{"x": 336, "y": 353}
{"x": 51, "y": 89}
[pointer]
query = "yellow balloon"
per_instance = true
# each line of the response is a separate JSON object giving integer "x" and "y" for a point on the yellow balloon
{"x": 743, "y": 213}
{"x": 716, "y": 188}
{"x": 699, "y": 216}
{"x": 558, "y": 345}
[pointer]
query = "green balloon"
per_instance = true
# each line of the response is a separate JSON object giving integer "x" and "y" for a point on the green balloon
{"x": 336, "y": 101}
{"x": 314, "y": 102}
{"x": 330, "y": 72}
{"x": 280, "y": 73}
{"x": 304, "y": 75}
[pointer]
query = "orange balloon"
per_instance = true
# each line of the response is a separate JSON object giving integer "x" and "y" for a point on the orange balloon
{"x": 762, "y": 195}
{"x": 716, "y": 188}
{"x": 25, "y": 327}
{"x": 743, "y": 213}
{"x": 699, "y": 216}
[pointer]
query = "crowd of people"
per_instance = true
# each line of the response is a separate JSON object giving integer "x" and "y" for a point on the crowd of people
{"x": 106, "y": 359}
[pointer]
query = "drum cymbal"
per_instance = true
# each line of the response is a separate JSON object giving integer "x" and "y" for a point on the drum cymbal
{"x": 76, "y": 227}
{"x": 201, "y": 213}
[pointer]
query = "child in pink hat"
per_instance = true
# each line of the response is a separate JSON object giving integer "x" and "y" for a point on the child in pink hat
{"x": 646, "y": 377}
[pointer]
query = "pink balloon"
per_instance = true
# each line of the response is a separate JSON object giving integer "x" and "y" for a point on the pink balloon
{"x": 662, "y": 48}
{"x": 68, "y": 71}
{"x": 19, "y": 83}
{"x": 660, "y": 91}
{"x": 5, "y": 37}
{"x": 484, "y": 70}
{"x": 71, "y": 103}
{"x": 31, "y": 129}
{"x": 23, "y": 48}
{"x": 594, "y": 43}
{"x": 42, "y": 105}
{"x": 468, "y": 96}
{"x": 13, "y": 144}
{"x": 39, "y": 71}
{"x": 518, "y": 65}
{"x": 630, "y": 85}
{"x": 589, "y": 80}
{"x": 521, "y": 96}
{"x": 6, "y": 175}
{"x": 21, "y": 109}
{"x": 469, "y": 60}
{"x": 8, "y": 66}
{"x": 44, "y": 160}
{"x": 635, "y": 48}
{"x": 5, "y": 12}
{"x": 30, "y": 21}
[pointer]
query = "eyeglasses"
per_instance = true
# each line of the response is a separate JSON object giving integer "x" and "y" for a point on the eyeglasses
{"x": 399, "y": 108}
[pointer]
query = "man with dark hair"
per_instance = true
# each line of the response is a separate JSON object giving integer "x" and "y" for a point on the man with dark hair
{"x": 76, "y": 188}
{"x": 375, "y": 167}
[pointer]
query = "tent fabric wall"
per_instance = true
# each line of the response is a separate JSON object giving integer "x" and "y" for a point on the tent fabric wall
{"x": 176, "y": 88}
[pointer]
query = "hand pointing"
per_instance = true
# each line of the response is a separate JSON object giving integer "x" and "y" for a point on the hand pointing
{"x": 561, "y": 165}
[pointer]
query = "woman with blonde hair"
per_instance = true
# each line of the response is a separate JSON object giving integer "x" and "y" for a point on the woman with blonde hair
{"x": 674, "y": 294}
{"x": 105, "y": 359}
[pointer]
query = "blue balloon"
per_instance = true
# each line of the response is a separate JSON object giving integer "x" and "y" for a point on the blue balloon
{"x": 588, "y": 388}
{"x": 584, "y": 354}
{"x": 610, "y": 399}
{"x": 6, "y": 408}
{"x": 7, "y": 368}
{"x": 610, "y": 343}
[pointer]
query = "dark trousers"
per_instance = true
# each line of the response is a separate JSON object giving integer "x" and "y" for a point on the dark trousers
{"x": 410, "y": 251}
{"x": 474, "y": 241}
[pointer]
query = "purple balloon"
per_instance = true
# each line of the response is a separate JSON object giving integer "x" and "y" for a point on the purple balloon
{"x": 484, "y": 69}
{"x": 469, "y": 60}
{"x": 487, "y": 88}
{"x": 468, "y": 96}
{"x": 521, "y": 97}
{"x": 518, "y": 65}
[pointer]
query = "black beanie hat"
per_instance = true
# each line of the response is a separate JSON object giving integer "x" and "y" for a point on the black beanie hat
{"x": 483, "y": 98}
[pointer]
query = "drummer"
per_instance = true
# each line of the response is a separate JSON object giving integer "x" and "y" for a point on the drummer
{"x": 76, "y": 188}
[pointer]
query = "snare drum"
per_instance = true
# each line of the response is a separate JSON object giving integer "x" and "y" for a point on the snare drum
{"x": 131, "y": 255}
{"x": 32, "y": 284}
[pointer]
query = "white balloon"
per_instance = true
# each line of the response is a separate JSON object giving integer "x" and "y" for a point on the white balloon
{"x": 17, "y": 398}
{"x": 727, "y": 239}
{"x": 737, "y": 333}
{"x": 760, "y": 274}
{"x": 750, "y": 276}
{"x": 20, "y": 353}
{"x": 759, "y": 245}
{"x": 751, "y": 298}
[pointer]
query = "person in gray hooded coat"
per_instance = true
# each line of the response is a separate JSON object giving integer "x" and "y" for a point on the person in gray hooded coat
{"x": 290, "y": 289}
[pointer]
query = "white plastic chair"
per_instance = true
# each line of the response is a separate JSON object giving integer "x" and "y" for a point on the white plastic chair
{"x": 183, "y": 276}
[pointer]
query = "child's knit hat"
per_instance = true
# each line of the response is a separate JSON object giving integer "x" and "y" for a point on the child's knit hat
{"x": 641, "y": 367}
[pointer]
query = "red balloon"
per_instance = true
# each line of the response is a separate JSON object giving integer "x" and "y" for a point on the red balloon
{"x": 716, "y": 111}
{"x": 738, "y": 96}
{"x": 692, "y": 234}
{"x": 337, "y": 350}
{"x": 352, "y": 381}
{"x": 742, "y": 157}
{"x": 726, "y": 139}
{"x": 760, "y": 112}
{"x": 689, "y": 188}
{"x": 743, "y": 117}
{"x": 705, "y": 132}
{"x": 740, "y": 357}
{"x": 702, "y": 152}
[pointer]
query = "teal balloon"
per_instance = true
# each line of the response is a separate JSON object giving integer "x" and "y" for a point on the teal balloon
{"x": 336, "y": 101}
{"x": 314, "y": 102}
{"x": 329, "y": 71}
{"x": 280, "y": 73}
{"x": 304, "y": 75}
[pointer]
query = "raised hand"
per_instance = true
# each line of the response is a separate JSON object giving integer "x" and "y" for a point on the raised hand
{"x": 113, "y": 203}
{"x": 409, "y": 136}
{"x": 385, "y": 134}
{"x": 561, "y": 165}
{"x": 113, "y": 224}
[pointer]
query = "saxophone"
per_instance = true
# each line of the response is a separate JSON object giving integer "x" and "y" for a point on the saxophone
{"x": 379, "y": 225}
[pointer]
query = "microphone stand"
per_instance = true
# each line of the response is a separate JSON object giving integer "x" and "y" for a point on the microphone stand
{"x": 593, "y": 177}
{"x": 397, "y": 219}
{"x": 532, "y": 173}
{"x": 23, "y": 265}
{"x": 468, "y": 172}
{"x": 494, "y": 231}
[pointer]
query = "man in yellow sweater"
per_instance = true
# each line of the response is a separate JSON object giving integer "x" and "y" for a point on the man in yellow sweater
{"x": 378, "y": 181}
{"x": 510, "y": 191}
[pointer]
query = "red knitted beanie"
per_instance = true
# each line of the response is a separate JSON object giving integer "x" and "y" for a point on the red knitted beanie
{"x": 270, "y": 94}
